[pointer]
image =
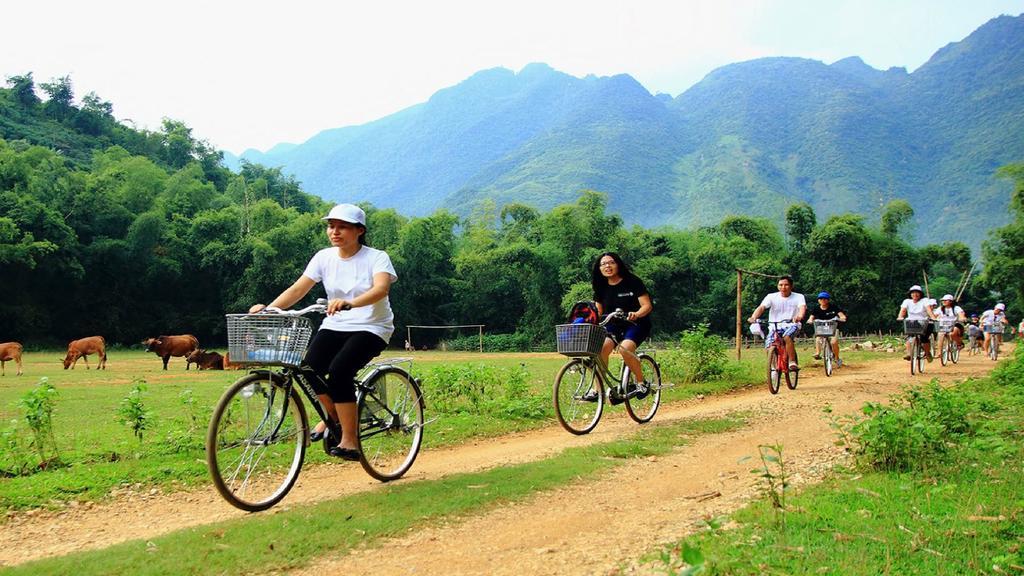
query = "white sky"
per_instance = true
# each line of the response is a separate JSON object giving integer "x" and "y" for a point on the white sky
{"x": 253, "y": 74}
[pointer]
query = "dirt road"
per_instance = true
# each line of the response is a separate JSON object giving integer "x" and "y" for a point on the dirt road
{"x": 554, "y": 532}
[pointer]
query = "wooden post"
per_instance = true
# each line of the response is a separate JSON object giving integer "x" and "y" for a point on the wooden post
{"x": 481, "y": 328}
{"x": 408, "y": 337}
{"x": 739, "y": 312}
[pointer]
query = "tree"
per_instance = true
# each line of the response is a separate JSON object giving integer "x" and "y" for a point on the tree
{"x": 24, "y": 90}
{"x": 800, "y": 222}
{"x": 61, "y": 97}
{"x": 896, "y": 216}
{"x": 1003, "y": 251}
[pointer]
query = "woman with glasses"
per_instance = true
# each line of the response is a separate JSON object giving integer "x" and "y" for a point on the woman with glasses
{"x": 615, "y": 287}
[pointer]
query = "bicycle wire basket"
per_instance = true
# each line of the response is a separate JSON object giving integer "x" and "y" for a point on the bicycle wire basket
{"x": 268, "y": 339}
{"x": 914, "y": 327}
{"x": 580, "y": 339}
{"x": 825, "y": 327}
{"x": 944, "y": 325}
{"x": 996, "y": 327}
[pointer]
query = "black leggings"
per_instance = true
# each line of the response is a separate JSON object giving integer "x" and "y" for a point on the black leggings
{"x": 337, "y": 357}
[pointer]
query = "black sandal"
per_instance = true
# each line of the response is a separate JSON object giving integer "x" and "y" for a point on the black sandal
{"x": 344, "y": 453}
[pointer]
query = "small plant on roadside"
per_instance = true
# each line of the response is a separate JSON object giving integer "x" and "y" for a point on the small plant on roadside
{"x": 776, "y": 481}
{"x": 702, "y": 354}
{"x": 687, "y": 561}
{"x": 133, "y": 412}
{"x": 15, "y": 453}
{"x": 39, "y": 404}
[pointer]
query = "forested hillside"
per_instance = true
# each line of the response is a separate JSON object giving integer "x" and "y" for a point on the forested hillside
{"x": 749, "y": 139}
{"x": 97, "y": 239}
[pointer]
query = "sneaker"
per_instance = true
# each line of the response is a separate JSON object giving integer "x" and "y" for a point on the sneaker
{"x": 643, "y": 390}
{"x": 839, "y": 362}
{"x": 590, "y": 396}
{"x": 793, "y": 367}
{"x": 929, "y": 357}
{"x": 817, "y": 356}
{"x": 906, "y": 356}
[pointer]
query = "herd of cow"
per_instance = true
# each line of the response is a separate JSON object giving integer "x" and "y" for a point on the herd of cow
{"x": 182, "y": 345}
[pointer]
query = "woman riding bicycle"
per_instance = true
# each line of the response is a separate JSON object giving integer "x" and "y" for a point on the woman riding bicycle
{"x": 949, "y": 310}
{"x": 786, "y": 309}
{"x": 917, "y": 308}
{"x": 615, "y": 287}
{"x": 357, "y": 279}
{"x": 996, "y": 315}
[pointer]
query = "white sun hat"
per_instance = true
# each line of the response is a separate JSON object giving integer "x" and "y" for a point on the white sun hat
{"x": 948, "y": 297}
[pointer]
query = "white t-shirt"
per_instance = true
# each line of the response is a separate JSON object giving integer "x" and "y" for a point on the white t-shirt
{"x": 346, "y": 278}
{"x": 954, "y": 312}
{"x": 783, "y": 309}
{"x": 915, "y": 310}
{"x": 989, "y": 317}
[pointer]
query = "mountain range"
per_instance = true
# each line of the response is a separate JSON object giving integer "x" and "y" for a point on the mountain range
{"x": 751, "y": 138}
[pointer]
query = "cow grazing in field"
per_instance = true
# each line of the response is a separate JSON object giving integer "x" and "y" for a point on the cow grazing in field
{"x": 10, "y": 351}
{"x": 206, "y": 360}
{"x": 167, "y": 346}
{"x": 229, "y": 365}
{"x": 82, "y": 348}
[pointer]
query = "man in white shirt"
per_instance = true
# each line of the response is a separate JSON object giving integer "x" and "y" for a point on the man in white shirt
{"x": 786, "y": 309}
{"x": 990, "y": 318}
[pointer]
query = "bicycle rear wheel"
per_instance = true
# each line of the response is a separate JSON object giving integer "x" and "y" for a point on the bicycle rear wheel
{"x": 774, "y": 375}
{"x": 954, "y": 352}
{"x": 792, "y": 377}
{"x": 642, "y": 407}
{"x": 390, "y": 424}
{"x": 256, "y": 441}
{"x": 944, "y": 350}
{"x": 575, "y": 380}
{"x": 920, "y": 357}
{"x": 915, "y": 349}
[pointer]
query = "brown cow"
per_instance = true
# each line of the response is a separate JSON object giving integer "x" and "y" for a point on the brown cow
{"x": 206, "y": 360}
{"x": 10, "y": 351}
{"x": 229, "y": 365}
{"x": 167, "y": 346}
{"x": 82, "y": 348}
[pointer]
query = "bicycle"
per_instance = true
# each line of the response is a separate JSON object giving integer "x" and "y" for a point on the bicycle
{"x": 580, "y": 385}
{"x": 914, "y": 329}
{"x": 948, "y": 351}
{"x": 824, "y": 330}
{"x": 259, "y": 431}
{"x": 778, "y": 359}
{"x": 995, "y": 330}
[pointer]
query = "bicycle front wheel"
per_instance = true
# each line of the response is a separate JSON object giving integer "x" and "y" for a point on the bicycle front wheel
{"x": 954, "y": 352}
{"x": 578, "y": 396}
{"x": 390, "y": 424}
{"x": 827, "y": 347}
{"x": 944, "y": 355}
{"x": 257, "y": 441}
{"x": 993, "y": 348}
{"x": 774, "y": 374}
{"x": 642, "y": 407}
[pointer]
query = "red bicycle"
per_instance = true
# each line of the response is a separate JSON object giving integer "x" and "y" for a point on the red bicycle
{"x": 778, "y": 359}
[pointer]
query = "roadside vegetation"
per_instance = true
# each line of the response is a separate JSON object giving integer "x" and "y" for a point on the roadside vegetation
{"x": 933, "y": 486}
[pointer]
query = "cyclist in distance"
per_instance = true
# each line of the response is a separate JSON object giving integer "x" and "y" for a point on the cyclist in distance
{"x": 949, "y": 309}
{"x": 917, "y": 307}
{"x": 616, "y": 287}
{"x": 787, "y": 307}
{"x": 826, "y": 310}
{"x": 988, "y": 317}
{"x": 974, "y": 330}
{"x": 359, "y": 322}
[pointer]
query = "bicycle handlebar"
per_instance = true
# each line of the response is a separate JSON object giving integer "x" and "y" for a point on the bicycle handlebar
{"x": 619, "y": 314}
{"x": 320, "y": 307}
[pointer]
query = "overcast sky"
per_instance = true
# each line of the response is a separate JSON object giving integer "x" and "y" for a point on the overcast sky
{"x": 253, "y": 74}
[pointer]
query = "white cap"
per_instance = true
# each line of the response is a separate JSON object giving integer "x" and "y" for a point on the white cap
{"x": 347, "y": 213}
{"x": 916, "y": 287}
{"x": 1000, "y": 306}
{"x": 932, "y": 302}
{"x": 948, "y": 297}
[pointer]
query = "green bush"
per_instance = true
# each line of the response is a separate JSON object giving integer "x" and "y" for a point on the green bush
{"x": 919, "y": 428}
{"x": 483, "y": 389}
{"x": 700, "y": 356}
{"x": 38, "y": 405}
{"x": 514, "y": 342}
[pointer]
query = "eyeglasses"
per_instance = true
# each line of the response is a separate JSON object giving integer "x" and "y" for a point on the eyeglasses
{"x": 607, "y": 264}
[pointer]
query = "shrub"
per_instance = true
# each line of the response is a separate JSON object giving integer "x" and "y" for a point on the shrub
{"x": 700, "y": 355}
{"x": 39, "y": 404}
{"x": 514, "y": 342}
{"x": 918, "y": 428}
{"x": 133, "y": 413}
{"x": 483, "y": 389}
